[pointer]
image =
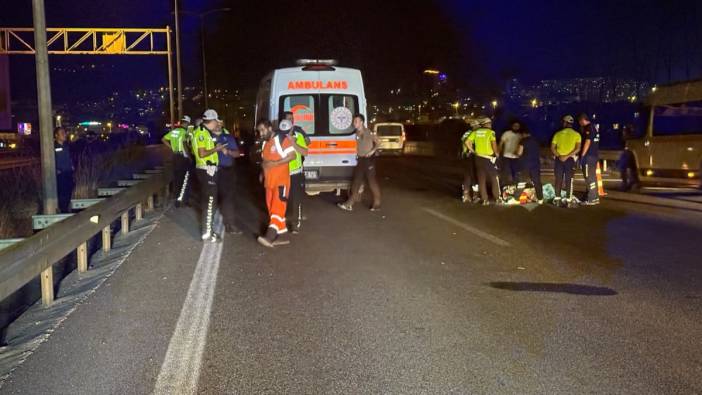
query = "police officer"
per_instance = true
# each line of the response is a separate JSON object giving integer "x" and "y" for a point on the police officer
{"x": 64, "y": 170}
{"x": 483, "y": 143}
{"x": 565, "y": 145}
{"x": 226, "y": 178}
{"x": 206, "y": 154}
{"x": 468, "y": 160}
{"x": 298, "y": 130}
{"x": 177, "y": 140}
{"x": 298, "y": 138}
{"x": 367, "y": 145}
{"x": 590, "y": 155}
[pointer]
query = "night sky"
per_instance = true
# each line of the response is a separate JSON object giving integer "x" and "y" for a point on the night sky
{"x": 479, "y": 44}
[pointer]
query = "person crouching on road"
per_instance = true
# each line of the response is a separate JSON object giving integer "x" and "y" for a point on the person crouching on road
{"x": 565, "y": 145}
{"x": 470, "y": 178}
{"x": 176, "y": 140}
{"x": 277, "y": 152}
{"x": 366, "y": 147}
{"x": 206, "y": 153}
{"x": 483, "y": 144}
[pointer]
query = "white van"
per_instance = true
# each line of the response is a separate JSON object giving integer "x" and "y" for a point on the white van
{"x": 323, "y": 99}
{"x": 671, "y": 150}
{"x": 391, "y": 136}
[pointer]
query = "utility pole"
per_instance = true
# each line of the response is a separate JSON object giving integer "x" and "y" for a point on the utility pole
{"x": 46, "y": 124}
{"x": 178, "y": 68}
{"x": 204, "y": 61}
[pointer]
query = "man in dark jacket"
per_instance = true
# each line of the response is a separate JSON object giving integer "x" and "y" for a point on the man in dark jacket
{"x": 530, "y": 162}
{"x": 64, "y": 170}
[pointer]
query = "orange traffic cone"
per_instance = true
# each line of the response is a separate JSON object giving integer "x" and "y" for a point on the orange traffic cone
{"x": 600, "y": 184}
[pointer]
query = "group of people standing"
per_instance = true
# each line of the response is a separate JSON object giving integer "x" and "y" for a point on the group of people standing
{"x": 208, "y": 150}
{"x": 205, "y": 150}
{"x": 516, "y": 157}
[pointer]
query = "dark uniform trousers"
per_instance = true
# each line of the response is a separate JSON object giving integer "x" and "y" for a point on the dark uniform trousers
{"x": 534, "y": 174}
{"x": 469, "y": 178}
{"x": 208, "y": 198}
{"x": 365, "y": 171}
{"x": 590, "y": 174}
{"x": 487, "y": 171}
{"x": 297, "y": 192}
{"x": 226, "y": 185}
{"x": 564, "y": 176}
{"x": 64, "y": 185}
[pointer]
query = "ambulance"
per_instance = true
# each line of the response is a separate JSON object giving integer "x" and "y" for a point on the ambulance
{"x": 323, "y": 99}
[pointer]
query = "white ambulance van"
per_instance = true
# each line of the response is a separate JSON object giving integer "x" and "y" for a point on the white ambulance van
{"x": 323, "y": 99}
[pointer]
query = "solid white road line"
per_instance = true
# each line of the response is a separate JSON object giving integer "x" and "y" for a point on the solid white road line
{"x": 468, "y": 228}
{"x": 181, "y": 367}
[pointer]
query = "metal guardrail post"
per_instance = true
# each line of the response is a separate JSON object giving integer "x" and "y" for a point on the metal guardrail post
{"x": 21, "y": 261}
{"x": 138, "y": 212}
{"x": 125, "y": 223}
{"x": 150, "y": 203}
{"x": 82, "y": 253}
{"x": 106, "y": 239}
{"x": 47, "y": 286}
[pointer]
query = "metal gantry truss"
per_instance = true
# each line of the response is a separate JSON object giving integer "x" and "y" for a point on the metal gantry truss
{"x": 87, "y": 41}
{"x": 94, "y": 41}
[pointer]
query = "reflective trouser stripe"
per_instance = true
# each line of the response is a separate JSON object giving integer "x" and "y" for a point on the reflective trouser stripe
{"x": 277, "y": 205}
{"x": 184, "y": 187}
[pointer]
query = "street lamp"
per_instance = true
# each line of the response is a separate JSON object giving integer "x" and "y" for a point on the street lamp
{"x": 202, "y": 36}
{"x": 494, "y": 104}
{"x": 534, "y": 103}
{"x": 455, "y": 107}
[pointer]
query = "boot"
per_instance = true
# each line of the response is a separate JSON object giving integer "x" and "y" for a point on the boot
{"x": 268, "y": 239}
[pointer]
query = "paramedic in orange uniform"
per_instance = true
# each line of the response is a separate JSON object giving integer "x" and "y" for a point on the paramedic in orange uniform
{"x": 276, "y": 153}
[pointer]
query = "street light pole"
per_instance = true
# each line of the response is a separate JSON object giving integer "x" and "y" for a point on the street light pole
{"x": 204, "y": 61}
{"x": 178, "y": 65}
{"x": 46, "y": 121}
{"x": 202, "y": 16}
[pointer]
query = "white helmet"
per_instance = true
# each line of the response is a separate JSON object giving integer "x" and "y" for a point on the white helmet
{"x": 285, "y": 125}
{"x": 474, "y": 124}
{"x": 568, "y": 119}
{"x": 186, "y": 119}
{"x": 210, "y": 115}
{"x": 485, "y": 121}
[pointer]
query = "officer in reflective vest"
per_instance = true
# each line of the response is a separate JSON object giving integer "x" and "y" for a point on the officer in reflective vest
{"x": 177, "y": 141}
{"x": 277, "y": 152}
{"x": 297, "y": 179}
{"x": 483, "y": 143}
{"x": 205, "y": 152}
{"x": 468, "y": 160}
{"x": 565, "y": 146}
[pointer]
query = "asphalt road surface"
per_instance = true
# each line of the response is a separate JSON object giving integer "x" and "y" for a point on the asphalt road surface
{"x": 426, "y": 296}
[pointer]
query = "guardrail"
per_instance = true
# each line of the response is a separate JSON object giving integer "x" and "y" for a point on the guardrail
{"x": 25, "y": 259}
{"x": 18, "y": 162}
